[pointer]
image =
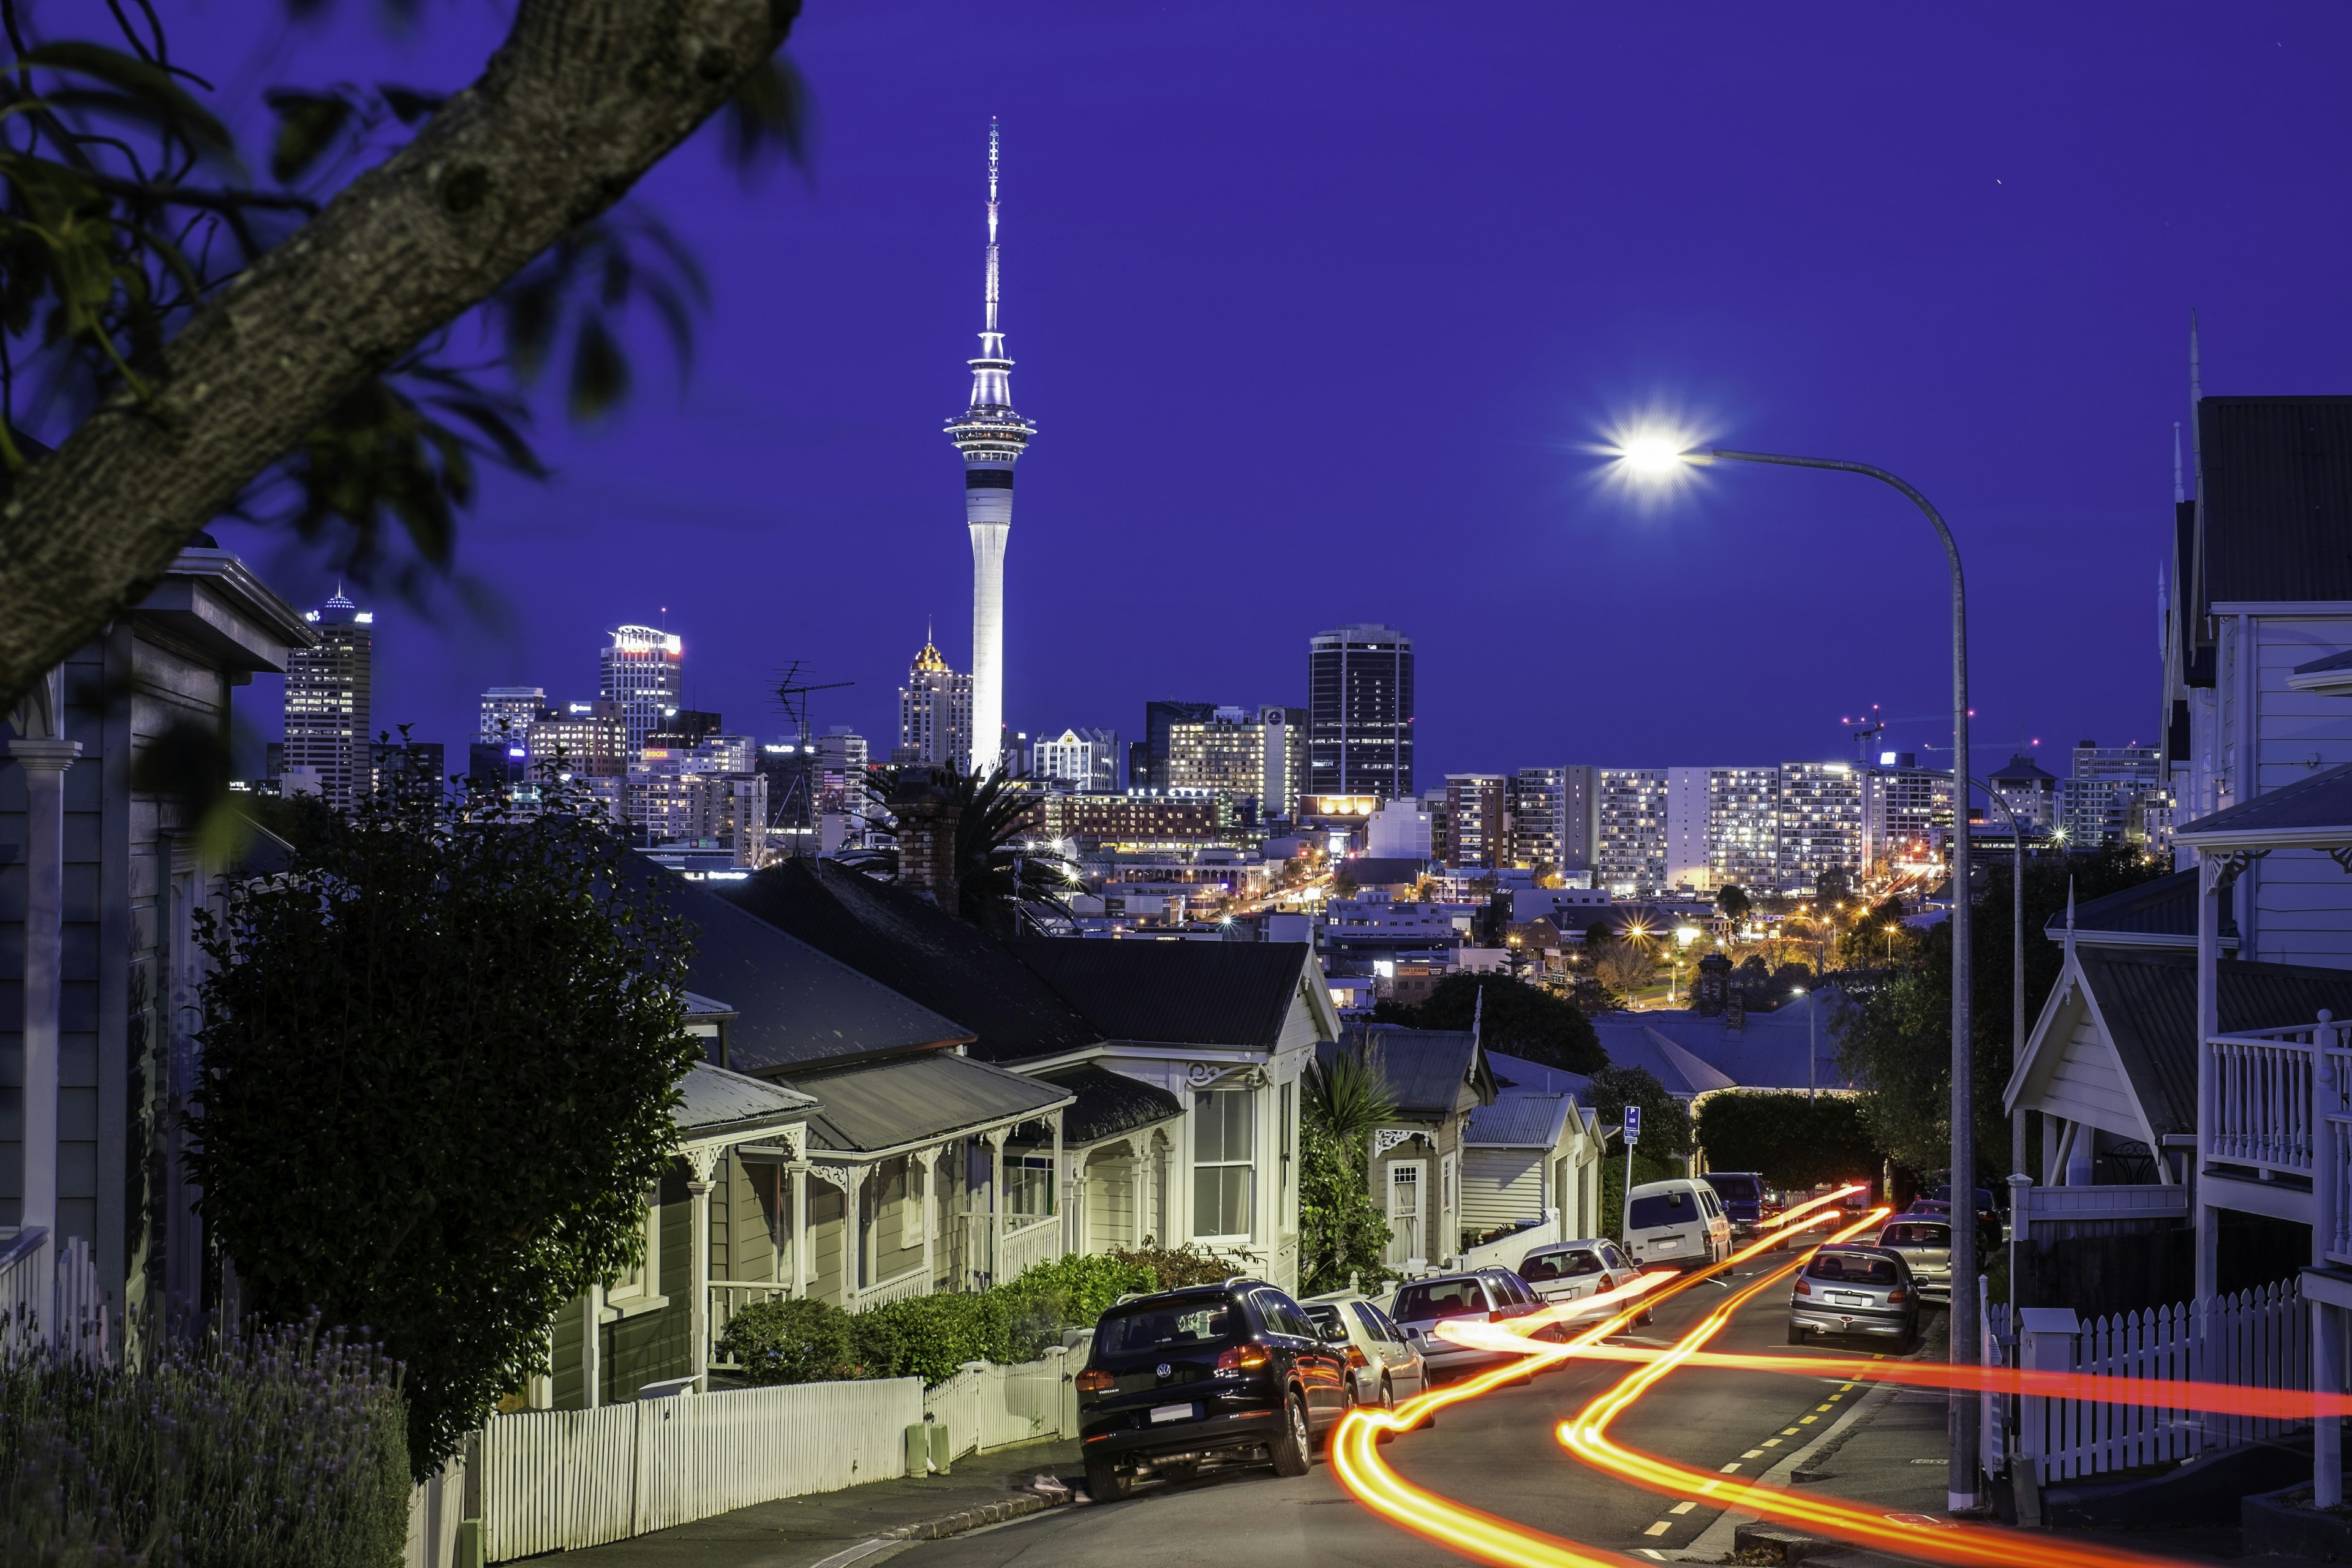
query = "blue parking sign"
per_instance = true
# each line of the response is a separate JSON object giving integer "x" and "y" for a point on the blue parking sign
{"x": 1633, "y": 1124}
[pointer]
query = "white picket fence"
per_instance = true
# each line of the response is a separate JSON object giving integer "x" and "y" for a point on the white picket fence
{"x": 561, "y": 1480}
{"x": 989, "y": 1406}
{"x": 2257, "y": 1339}
{"x": 49, "y": 1291}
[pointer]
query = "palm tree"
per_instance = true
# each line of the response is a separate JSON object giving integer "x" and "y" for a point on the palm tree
{"x": 1346, "y": 1098}
{"x": 1002, "y": 886}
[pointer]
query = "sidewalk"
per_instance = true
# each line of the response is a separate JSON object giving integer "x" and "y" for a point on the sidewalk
{"x": 799, "y": 1532}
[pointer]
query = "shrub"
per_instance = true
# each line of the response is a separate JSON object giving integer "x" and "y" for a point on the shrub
{"x": 1076, "y": 1289}
{"x": 1173, "y": 1268}
{"x": 287, "y": 1447}
{"x": 789, "y": 1342}
{"x": 1791, "y": 1143}
{"x": 930, "y": 1336}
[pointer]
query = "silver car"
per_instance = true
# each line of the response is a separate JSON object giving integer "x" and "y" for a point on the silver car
{"x": 1573, "y": 1270}
{"x": 1927, "y": 1246}
{"x": 1855, "y": 1290}
{"x": 1490, "y": 1295}
{"x": 1383, "y": 1368}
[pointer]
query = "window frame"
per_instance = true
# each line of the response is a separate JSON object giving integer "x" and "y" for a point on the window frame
{"x": 1203, "y": 1101}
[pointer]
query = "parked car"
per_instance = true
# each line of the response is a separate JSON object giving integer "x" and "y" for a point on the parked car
{"x": 1745, "y": 1200}
{"x": 1384, "y": 1369}
{"x": 1210, "y": 1375}
{"x": 1572, "y": 1271}
{"x": 1676, "y": 1222}
{"x": 1489, "y": 1294}
{"x": 1927, "y": 1246}
{"x": 1988, "y": 1222}
{"x": 1854, "y": 1289}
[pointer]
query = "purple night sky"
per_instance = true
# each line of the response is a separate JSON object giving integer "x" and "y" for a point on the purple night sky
{"x": 1320, "y": 309}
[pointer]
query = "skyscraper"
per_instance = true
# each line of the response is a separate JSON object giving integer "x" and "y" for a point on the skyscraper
{"x": 327, "y": 707}
{"x": 1149, "y": 770}
{"x": 1477, "y": 821}
{"x": 992, "y": 438}
{"x": 935, "y": 714}
{"x": 1820, "y": 824}
{"x": 1540, "y": 820}
{"x": 1085, "y": 761}
{"x": 1359, "y": 712}
{"x": 639, "y": 669}
{"x": 511, "y": 710}
{"x": 1628, "y": 856}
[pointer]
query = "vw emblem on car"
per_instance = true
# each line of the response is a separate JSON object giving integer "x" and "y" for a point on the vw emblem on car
{"x": 1164, "y": 1368}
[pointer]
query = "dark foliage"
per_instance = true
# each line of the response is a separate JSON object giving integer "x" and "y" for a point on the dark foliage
{"x": 1342, "y": 1233}
{"x": 1003, "y": 886}
{"x": 1793, "y": 1143}
{"x": 1666, "y": 1120}
{"x": 1514, "y": 1017}
{"x": 440, "y": 1053}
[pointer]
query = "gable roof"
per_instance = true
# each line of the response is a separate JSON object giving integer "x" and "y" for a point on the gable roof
{"x": 913, "y": 1099}
{"x": 1174, "y": 992}
{"x": 2159, "y": 913}
{"x": 1520, "y": 1121}
{"x": 920, "y": 952}
{"x": 2275, "y": 480}
{"x": 1108, "y": 1103}
{"x": 1425, "y": 1070}
{"x": 719, "y": 1104}
{"x": 796, "y": 1008}
{"x": 2308, "y": 811}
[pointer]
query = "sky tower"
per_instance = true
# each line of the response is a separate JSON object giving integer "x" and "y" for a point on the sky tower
{"x": 991, "y": 436}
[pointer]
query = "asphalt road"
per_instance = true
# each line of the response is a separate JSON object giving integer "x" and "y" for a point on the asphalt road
{"x": 1495, "y": 1454}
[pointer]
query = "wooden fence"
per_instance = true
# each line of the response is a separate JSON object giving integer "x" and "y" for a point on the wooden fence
{"x": 2257, "y": 1339}
{"x": 989, "y": 1406}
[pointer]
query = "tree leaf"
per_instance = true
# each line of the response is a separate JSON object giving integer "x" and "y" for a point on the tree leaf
{"x": 772, "y": 112}
{"x": 158, "y": 94}
{"x": 600, "y": 374}
{"x": 308, "y": 124}
{"x": 410, "y": 105}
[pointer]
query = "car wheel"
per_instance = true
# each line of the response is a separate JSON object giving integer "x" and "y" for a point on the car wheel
{"x": 1294, "y": 1450}
{"x": 1796, "y": 1335}
{"x": 1387, "y": 1403}
{"x": 1106, "y": 1482}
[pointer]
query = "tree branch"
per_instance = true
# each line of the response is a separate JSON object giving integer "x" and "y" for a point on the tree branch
{"x": 580, "y": 101}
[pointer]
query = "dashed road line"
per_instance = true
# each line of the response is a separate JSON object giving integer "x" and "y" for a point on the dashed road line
{"x": 1659, "y": 1528}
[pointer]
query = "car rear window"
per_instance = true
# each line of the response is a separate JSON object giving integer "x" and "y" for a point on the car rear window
{"x": 1916, "y": 1236}
{"x": 1433, "y": 1299}
{"x": 1853, "y": 1267}
{"x": 1735, "y": 1189}
{"x": 1571, "y": 1264}
{"x": 1663, "y": 1208}
{"x": 1377, "y": 1321}
{"x": 1175, "y": 1327}
{"x": 1325, "y": 1317}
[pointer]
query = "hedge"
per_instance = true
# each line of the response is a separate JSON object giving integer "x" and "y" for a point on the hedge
{"x": 930, "y": 1336}
{"x": 1790, "y": 1142}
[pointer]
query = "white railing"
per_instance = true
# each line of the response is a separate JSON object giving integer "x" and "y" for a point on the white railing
{"x": 50, "y": 1294}
{"x": 1040, "y": 1241}
{"x": 728, "y": 1297}
{"x": 2269, "y": 1093}
{"x": 987, "y": 1407}
{"x": 2258, "y": 1339}
{"x": 555, "y": 1480}
{"x": 2140, "y": 1201}
{"x": 900, "y": 1287}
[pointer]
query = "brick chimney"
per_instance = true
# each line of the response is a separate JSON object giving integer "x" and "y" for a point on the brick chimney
{"x": 1734, "y": 1009}
{"x": 926, "y": 839}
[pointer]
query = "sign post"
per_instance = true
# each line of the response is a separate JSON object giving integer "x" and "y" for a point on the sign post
{"x": 1633, "y": 1136}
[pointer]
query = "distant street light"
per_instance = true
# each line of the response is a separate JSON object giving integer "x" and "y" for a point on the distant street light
{"x": 1812, "y": 1046}
{"x": 1658, "y": 457}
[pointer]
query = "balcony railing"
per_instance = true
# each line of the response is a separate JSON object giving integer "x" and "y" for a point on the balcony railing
{"x": 1039, "y": 1241}
{"x": 2280, "y": 1100}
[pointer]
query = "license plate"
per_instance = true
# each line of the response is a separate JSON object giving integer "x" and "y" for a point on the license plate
{"x": 1666, "y": 1244}
{"x": 1171, "y": 1412}
{"x": 1851, "y": 1300}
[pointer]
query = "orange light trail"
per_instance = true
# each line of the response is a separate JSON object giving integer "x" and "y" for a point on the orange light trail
{"x": 1362, "y": 1467}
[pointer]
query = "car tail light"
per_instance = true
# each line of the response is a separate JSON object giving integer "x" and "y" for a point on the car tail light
{"x": 1356, "y": 1357}
{"x": 1242, "y": 1359}
{"x": 1803, "y": 1289}
{"x": 1094, "y": 1380}
{"x": 1896, "y": 1298}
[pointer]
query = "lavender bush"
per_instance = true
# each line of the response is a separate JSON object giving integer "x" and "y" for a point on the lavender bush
{"x": 287, "y": 1447}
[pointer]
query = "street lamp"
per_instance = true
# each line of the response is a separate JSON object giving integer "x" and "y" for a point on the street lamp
{"x": 1658, "y": 456}
{"x": 1813, "y": 1045}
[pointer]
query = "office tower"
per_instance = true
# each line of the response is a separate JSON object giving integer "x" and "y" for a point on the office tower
{"x": 1687, "y": 818}
{"x": 1441, "y": 823}
{"x": 1538, "y": 808}
{"x": 935, "y": 716}
{"x": 1743, "y": 827}
{"x": 1477, "y": 821}
{"x": 327, "y": 707}
{"x": 406, "y": 766}
{"x": 684, "y": 727}
{"x": 1158, "y": 718}
{"x": 1580, "y": 808}
{"x": 640, "y": 667}
{"x": 1361, "y": 712}
{"x": 583, "y": 740}
{"x": 1223, "y": 754}
{"x": 1085, "y": 761}
{"x": 2105, "y": 802}
{"x": 842, "y": 760}
{"x": 992, "y": 438}
{"x": 1629, "y": 857}
{"x": 2029, "y": 792}
{"x": 1285, "y": 758}
{"x": 1906, "y": 812}
{"x": 1820, "y": 824}
{"x": 503, "y": 765}
{"x": 510, "y": 710}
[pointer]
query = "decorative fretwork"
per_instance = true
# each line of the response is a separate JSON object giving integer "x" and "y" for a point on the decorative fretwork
{"x": 1388, "y": 1138}
{"x": 2219, "y": 868}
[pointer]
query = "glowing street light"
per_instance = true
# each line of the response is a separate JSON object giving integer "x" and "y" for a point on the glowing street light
{"x": 1651, "y": 457}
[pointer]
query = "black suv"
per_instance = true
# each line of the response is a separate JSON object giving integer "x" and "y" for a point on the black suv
{"x": 1206, "y": 1374}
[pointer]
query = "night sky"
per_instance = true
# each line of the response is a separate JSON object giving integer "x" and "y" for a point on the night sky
{"x": 1322, "y": 310}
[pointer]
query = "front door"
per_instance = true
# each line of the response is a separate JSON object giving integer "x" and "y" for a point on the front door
{"x": 1405, "y": 1212}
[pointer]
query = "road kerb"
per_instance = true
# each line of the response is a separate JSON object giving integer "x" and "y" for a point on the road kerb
{"x": 1718, "y": 1541}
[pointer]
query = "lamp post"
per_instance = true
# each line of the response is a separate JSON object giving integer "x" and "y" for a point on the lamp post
{"x": 1663, "y": 456}
{"x": 2016, "y": 976}
{"x": 1812, "y": 1046}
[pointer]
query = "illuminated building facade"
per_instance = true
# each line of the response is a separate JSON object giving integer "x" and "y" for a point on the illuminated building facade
{"x": 640, "y": 669}
{"x": 1477, "y": 821}
{"x": 511, "y": 711}
{"x": 1630, "y": 841}
{"x": 1360, "y": 703}
{"x": 1821, "y": 823}
{"x": 935, "y": 714}
{"x": 1086, "y": 761}
{"x": 329, "y": 706}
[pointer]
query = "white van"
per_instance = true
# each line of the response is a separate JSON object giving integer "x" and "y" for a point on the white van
{"x": 1679, "y": 1222}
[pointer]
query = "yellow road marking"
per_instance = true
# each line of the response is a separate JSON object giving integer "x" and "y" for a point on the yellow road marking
{"x": 1659, "y": 1528}
{"x": 1681, "y": 1507}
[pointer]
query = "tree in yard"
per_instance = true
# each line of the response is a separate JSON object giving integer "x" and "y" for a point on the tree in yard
{"x": 192, "y": 342}
{"x": 1341, "y": 1232}
{"x": 1625, "y": 966}
{"x": 1002, "y": 886}
{"x": 440, "y": 1052}
{"x": 1514, "y": 1017}
{"x": 1731, "y": 900}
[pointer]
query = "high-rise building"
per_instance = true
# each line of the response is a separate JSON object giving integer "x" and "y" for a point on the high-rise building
{"x": 842, "y": 758}
{"x": 1630, "y": 841}
{"x": 585, "y": 740}
{"x": 1687, "y": 819}
{"x": 1743, "y": 827}
{"x": 992, "y": 438}
{"x": 1906, "y": 811}
{"x": 1151, "y": 770}
{"x": 683, "y": 727}
{"x": 1478, "y": 821}
{"x": 935, "y": 710}
{"x": 1581, "y": 806}
{"x": 1399, "y": 830}
{"x": 329, "y": 706}
{"x": 1361, "y": 712}
{"x": 2105, "y": 802}
{"x": 407, "y": 765}
{"x": 510, "y": 710}
{"x": 1820, "y": 824}
{"x": 1223, "y": 754}
{"x": 1539, "y": 806}
{"x": 2029, "y": 792}
{"x": 640, "y": 667}
{"x": 1086, "y": 761}
{"x": 1285, "y": 759}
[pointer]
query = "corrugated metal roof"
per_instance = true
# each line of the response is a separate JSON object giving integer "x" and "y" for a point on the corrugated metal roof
{"x": 1520, "y": 1121}
{"x": 2323, "y": 800}
{"x": 1174, "y": 992}
{"x": 2276, "y": 478}
{"x": 1426, "y": 1070}
{"x": 1535, "y": 1078}
{"x": 936, "y": 1095}
{"x": 719, "y": 1101}
{"x": 2165, "y": 907}
{"x": 1110, "y": 1103}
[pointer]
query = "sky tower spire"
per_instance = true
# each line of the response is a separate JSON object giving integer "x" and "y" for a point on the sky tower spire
{"x": 992, "y": 438}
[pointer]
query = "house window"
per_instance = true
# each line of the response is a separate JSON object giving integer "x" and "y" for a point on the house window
{"x": 1224, "y": 1136}
{"x": 643, "y": 1281}
{"x": 1447, "y": 1185}
{"x": 1029, "y": 1185}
